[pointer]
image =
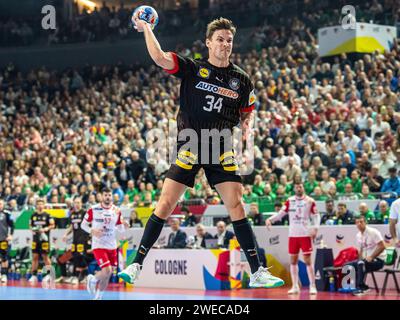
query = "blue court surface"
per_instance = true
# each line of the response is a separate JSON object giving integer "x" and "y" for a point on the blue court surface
{"x": 35, "y": 293}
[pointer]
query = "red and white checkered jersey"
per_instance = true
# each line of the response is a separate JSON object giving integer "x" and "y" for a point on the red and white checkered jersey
{"x": 300, "y": 211}
{"x": 106, "y": 219}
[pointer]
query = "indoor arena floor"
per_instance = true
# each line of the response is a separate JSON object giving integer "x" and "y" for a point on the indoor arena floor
{"x": 21, "y": 290}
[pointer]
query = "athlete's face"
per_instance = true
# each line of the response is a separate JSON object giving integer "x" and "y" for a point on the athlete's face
{"x": 40, "y": 207}
{"x": 299, "y": 189}
{"x": 77, "y": 204}
{"x": 220, "y": 45}
{"x": 107, "y": 198}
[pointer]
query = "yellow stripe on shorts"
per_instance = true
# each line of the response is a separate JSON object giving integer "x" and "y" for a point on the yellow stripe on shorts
{"x": 225, "y": 155}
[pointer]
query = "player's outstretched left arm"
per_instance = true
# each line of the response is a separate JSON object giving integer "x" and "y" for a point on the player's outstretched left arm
{"x": 162, "y": 59}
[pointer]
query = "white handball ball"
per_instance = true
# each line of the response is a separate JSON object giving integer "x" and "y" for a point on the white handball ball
{"x": 146, "y": 13}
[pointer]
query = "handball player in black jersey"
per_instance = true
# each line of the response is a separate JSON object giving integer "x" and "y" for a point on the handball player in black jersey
{"x": 81, "y": 245}
{"x": 215, "y": 96}
{"x": 41, "y": 223}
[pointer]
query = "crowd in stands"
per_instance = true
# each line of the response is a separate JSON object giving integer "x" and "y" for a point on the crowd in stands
{"x": 112, "y": 23}
{"x": 333, "y": 125}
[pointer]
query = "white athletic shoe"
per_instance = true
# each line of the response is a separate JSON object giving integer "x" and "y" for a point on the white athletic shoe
{"x": 48, "y": 282}
{"x": 91, "y": 284}
{"x": 131, "y": 273}
{"x": 99, "y": 295}
{"x": 313, "y": 290}
{"x": 294, "y": 290}
{"x": 67, "y": 279}
{"x": 262, "y": 278}
{"x": 84, "y": 280}
{"x": 33, "y": 280}
{"x": 4, "y": 278}
{"x": 74, "y": 280}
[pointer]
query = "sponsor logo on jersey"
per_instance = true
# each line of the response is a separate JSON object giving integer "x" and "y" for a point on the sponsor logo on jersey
{"x": 252, "y": 97}
{"x": 204, "y": 73}
{"x": 99, "y": 220}
{"x": 216, "y": 89}
{"x": 234, "y": 83}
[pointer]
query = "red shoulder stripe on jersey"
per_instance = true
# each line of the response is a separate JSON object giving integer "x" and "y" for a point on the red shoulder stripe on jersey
{"x": 176, "y": 67}
{"x": 248, "y": 109}
{"x": 119, "y": 219}
{"x": 286, "y": 206}
{"x": 313, "y": 208}
{"x": 89, "y": 215}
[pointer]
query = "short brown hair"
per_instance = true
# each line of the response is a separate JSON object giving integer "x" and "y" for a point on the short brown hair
{"x": 220, "y": 24}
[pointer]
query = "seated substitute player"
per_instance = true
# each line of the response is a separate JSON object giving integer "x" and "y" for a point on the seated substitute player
{"x": 215, "y": 95}
{"x": 105, "y": 219}
{"x": 304, "y": 220}
{"x": 41, "y": 223}
{"x": 6, "y": 232}
{"x": 81, "y": 244}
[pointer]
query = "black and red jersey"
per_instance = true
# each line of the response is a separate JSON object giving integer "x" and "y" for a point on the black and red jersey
{"x": 211, "y": 97}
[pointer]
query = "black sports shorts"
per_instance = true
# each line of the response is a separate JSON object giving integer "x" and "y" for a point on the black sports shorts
{"x": 186, "y": 167}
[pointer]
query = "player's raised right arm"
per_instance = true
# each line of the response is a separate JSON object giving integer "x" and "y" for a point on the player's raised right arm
{"x": 163, "y": 59}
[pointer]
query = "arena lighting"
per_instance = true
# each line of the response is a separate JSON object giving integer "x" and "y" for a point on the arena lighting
{"x": 87, "y": 3}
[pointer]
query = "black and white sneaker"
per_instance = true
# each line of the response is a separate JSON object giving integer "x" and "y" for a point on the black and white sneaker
{"x": 358, "y": 292}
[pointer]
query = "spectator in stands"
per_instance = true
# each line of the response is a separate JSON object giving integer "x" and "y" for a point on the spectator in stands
{"x": 348, "y": 162}
{"x": 190, "y": 218}
{"x": 351, "y": 141}
{"x": 134, "y": 221}
{"x": 327, "y": 182}
{"x": 356, "y": 181}
{"x": 366, "y": 212}
{"x": 318, "y": 195}
{"x": 383, "y": 211}
{"x": 342, "y": 181}
{"x": 292, "y": 169}
{"x": 254, "y": 216}
{"x": 371, "y": 252}
{"x": 392, "y": 184}
{"x": 223, "y": 235}
{"x": 343, "y": 215}
{"x": 117, "y": 192}
{"x": 201, "y": 236}
{"x": 385, "y": 165}
{"x": 330, "y": 213}
{"x": 374, "y": 180}
{"x": 177, "y": 238}
{"x": 348, "y": 193}
{"x": 268, "y": 194}
{"x": 137, "y": 166}
{"x": 311, "y": 183}
{"x": 365, "y": 193}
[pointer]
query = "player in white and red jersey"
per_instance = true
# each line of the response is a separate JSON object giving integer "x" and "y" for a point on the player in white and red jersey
{"x": 105, "y": 219}
{"x": 304, "y": 220}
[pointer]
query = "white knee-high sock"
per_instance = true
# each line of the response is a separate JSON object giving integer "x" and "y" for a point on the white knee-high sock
{"x": 311, "y": 275}
{"x": 294, "y": 273}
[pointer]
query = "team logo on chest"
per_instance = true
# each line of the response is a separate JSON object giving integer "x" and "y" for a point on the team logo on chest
{"x": 204, "y": 73}
{"x": 234, "y": 83}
